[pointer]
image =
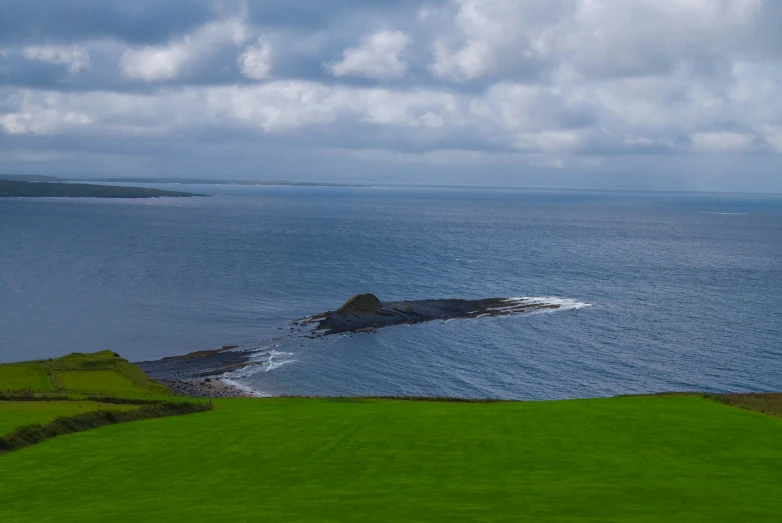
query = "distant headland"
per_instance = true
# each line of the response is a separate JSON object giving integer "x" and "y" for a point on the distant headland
{"x": 40, "y": 189}
{"x": 36, "y": 185}
{"x": 208, "y": 181}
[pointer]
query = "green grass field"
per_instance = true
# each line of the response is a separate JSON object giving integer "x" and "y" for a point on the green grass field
{"x": 99, "y": 381}
{"x": 14, "y": 414}
{"x": 645, "y": 459}
{"x": 99, "y": 372}
{"x": 24, "y": 376}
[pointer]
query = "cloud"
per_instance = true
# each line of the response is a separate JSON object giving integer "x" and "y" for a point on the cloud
{"x": 558, "y": 84}
{"x": 256, "y": 61}
{"x": 596, "y": 38}
{"x": 629, "y": 116}
{"x": 76, "y": 58}
{"x": 156, "y": 63}
{"x": 170, "y": 61}
{"x": 377, "y": 57}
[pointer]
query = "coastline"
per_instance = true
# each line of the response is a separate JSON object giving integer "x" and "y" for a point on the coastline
{"x": 201, "y": 374}
{"x": 208, "y": 388}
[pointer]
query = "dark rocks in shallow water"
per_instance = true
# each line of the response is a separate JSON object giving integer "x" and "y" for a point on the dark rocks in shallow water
{"x": 192, "y": 373}
{"x": 365, "y": 312}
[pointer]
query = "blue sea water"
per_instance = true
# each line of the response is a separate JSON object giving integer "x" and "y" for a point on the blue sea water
{"x": 685, "y": 289}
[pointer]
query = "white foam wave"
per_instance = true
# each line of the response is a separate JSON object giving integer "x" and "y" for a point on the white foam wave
{"x": 274, "y": 360}
{"x": 564, "y": 304}
{"x": 263, "y": 361}
{"x": 726, "y": 213}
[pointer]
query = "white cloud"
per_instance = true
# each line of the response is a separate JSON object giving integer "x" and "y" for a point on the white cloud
{"x": 42, "y": 121}
{"x": 155, "y": 63}
{"x": 256, "y": 61}
{"x": 620, "y": 115}
{"x": 563, "y": 81}
{"x": 75, "y": 57}
{"x": 598, "y": 38}
{"x": 472, "y": 61}
{"x": 377, "y": 57}
{"x": 170, "y": 61}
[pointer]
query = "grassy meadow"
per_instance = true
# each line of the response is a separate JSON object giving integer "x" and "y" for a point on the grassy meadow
{"x": 14, "y": 414}
{"x": 646, "y": 459}
{"x": 95, "y": 373}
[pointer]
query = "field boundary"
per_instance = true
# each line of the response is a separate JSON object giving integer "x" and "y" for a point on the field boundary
{"x": 31, "y": 434}
{"x": 98, "y": 398}
{"x": 768, "y": 403}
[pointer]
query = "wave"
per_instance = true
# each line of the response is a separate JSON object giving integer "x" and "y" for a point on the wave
{"x": 563, "y": 304}
{"x": 264, "y": 360}
{"x": 271, "y": 364}
{"x": 725, "y": 213}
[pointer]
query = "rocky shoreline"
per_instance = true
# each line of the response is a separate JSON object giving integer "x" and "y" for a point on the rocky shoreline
{"x": 202, "y": 374}
{"x": 199, "y": 374}
{"x": 206, "y": 388}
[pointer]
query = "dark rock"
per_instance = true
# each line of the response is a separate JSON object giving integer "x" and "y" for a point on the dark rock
{"x": 365, "y": 313}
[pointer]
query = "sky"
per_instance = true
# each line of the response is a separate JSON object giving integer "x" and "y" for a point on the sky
{"x": 648, "y": 94}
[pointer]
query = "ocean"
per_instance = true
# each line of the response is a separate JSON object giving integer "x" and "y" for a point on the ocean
{"x": 658, "y": 291}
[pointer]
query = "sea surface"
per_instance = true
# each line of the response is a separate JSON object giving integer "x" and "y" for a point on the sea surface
{"x": 659, "y": 291}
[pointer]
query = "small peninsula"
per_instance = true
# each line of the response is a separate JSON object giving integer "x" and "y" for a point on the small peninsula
{"x": 35, "y": 189}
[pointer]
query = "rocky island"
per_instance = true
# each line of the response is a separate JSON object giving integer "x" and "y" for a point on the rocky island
{"x": 203, "y": 373}
{"x": 366, "y": 313}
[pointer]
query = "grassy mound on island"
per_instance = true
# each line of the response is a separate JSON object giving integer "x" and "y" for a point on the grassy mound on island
{"x": 96, "y": 373}
{"x": 360, "y": 303}
{"x": 649, "y": 459}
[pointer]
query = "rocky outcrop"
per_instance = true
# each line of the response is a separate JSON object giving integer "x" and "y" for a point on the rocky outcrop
{"x": 365, "y": 312}
{"x": 362, "y": 313}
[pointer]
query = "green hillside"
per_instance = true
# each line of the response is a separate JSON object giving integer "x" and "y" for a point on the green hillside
{"x": 649, "y": 459}
{"x": 96, "y": 373}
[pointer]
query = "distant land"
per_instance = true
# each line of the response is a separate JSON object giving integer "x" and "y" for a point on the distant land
{"x": 197, "y": 181}
{"x": 189, "y": 181}
{"x": 30, "y": 178}
{"x": 32, "y": 189}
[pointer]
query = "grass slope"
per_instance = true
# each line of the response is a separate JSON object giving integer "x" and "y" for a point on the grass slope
{"x": 99, "y": 372}
{"x": 28, "y": 435}
{"x": 24, "y": 376}
{"x": 650, "y": 459}
{"x": 14, "y": 414}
